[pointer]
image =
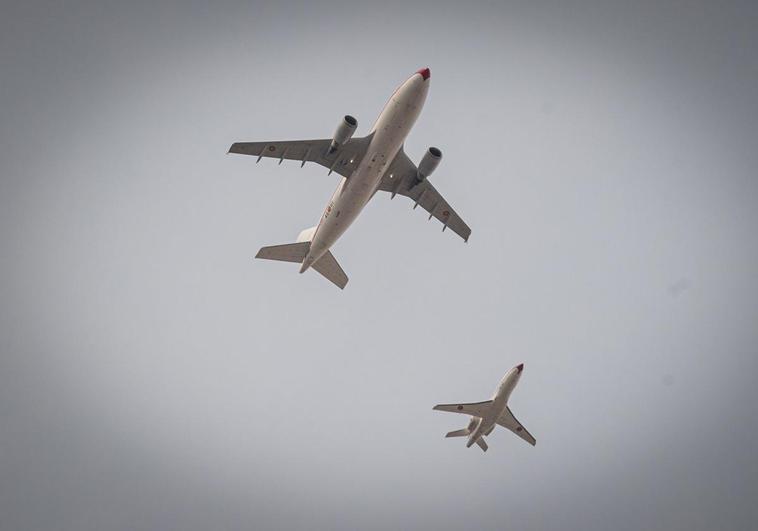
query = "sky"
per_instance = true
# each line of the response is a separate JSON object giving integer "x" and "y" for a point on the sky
{"x": 154, "y": 376}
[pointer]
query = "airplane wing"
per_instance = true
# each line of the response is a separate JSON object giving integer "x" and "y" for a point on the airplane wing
{"x": 475, "y": 409}
{"x": 507, "y": 420}
{"x": 400, "y": 179}
{"x": 343, "y": 161}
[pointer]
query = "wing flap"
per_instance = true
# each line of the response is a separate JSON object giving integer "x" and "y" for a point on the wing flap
{"x": 344, "y": 161}
{"x": 400, "y": 178}
{"x": 306, "y": 150}
{"x": 426, "y": 196}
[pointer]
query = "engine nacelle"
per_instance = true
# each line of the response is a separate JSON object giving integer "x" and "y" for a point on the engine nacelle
{"x": 344, "y": 132}
{"x": 429, "y": 163}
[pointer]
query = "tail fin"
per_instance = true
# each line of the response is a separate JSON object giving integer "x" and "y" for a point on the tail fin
{"x": 327, "y": 265}
{"x": 290, "y": 252}
{"x": 306, "y": 235}
{"x": 459, "y": 433}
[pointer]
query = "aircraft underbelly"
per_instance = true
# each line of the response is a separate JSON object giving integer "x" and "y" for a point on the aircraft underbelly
{"x": 353, "y": 193}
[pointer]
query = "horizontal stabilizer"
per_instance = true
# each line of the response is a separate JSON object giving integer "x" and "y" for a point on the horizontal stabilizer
{"x": 290, "y": 252}
{"x": 482, "y": 444}
{"x": 327, "y": 265}
{"x": 459, "y": 433}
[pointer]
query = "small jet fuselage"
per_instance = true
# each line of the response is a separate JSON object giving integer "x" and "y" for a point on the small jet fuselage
{"x": 486, "y": 415}
{"x": 500, "y": 397}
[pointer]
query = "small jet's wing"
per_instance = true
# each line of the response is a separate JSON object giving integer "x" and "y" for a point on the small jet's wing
{"x": 507, "y": 420}
{"x": 475, "y": 409}
{"x": 400, "y": 178}
{"x": 343, "y": 161}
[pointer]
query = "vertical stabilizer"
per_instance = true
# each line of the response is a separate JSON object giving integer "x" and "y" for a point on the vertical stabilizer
{"x": 306, "y": 235}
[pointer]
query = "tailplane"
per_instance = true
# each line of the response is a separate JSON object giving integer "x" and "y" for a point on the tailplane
{"x": 459, "y": 433}
{"x": 327, "y": 265}
{"x": 482, "y": 444}
{"x": 297, "y": 252}
{"x": 290, "y": 252}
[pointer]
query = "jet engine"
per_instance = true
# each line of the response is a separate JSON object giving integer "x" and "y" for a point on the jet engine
{"x": 344, "y": 132}
{"x": 429, "y": 163}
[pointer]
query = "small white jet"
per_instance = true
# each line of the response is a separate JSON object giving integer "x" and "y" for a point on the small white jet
{"x": 367, "y": 164}
{"x": 489, "y": 413}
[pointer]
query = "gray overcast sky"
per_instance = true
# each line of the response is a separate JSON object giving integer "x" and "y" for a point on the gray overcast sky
{"x": 154, "y": 376}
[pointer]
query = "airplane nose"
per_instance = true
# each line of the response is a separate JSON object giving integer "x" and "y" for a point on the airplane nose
{"x": 425, "y": 73}
{"x": 520, "y": 367}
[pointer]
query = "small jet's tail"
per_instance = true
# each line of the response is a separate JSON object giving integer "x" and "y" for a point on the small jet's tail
{"x": 459, "y": 433}
{"x": 465, "y": 432}
{"x": 296, "y": 252}
{"x": 482, "y": 444}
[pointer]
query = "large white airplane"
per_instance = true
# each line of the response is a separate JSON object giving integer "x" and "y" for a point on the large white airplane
{"x": 485, "y": 415}
{"x": 367, "y": 164}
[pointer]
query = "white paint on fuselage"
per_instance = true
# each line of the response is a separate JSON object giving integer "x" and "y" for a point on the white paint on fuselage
{"x": 499, "y": 402}
{"x": 353, "y": 193}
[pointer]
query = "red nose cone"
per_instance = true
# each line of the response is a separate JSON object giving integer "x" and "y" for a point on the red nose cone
{"x": 425, "y": 73}
{"x": 520, "y": 367}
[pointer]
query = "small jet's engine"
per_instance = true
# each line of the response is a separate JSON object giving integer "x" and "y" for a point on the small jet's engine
{"x": 344, "y": 132}
{"x": 429, "y": 163}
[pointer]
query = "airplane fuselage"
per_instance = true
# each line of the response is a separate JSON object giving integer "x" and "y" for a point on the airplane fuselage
{"x": 486, "y": 424}
{"x": 387, "y": 137}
